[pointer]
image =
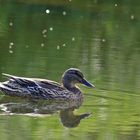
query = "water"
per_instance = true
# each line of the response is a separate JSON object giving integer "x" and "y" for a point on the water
{"x": 43, "y": 39}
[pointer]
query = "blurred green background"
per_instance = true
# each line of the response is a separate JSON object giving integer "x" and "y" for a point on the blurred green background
{"x": 42, "y": 38}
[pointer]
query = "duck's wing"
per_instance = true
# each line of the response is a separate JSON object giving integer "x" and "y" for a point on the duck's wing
{"x": 22, "y": 81}
{"x": 48, "y": 83}
{"x": 33, "y": 83}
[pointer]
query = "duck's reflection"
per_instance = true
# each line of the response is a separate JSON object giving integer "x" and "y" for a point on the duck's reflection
{"x": 69, "y": 119}
{"x": 66, "y": 109}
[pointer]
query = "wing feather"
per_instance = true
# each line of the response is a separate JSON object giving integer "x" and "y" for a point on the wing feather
{"x": 34, "y": 86}
{"x": 21, "y": 80}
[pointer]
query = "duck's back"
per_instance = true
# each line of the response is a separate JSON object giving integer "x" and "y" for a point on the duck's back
{"x": 34, "y": 88}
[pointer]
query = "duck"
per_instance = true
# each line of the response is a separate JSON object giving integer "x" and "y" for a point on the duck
{"x": 36, "y": 88}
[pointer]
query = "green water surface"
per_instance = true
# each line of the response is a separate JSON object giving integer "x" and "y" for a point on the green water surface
{"x": 42, "y": 38}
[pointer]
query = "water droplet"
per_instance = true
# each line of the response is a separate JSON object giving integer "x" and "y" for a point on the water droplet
{"x": 10, "y": 51}
{"x": 103, "y": 40}
{"x": 42, "y": 44}
{"x": 11, "y": 24}
{"x": 11, "y": 43}
{"x": 73, "y": 39}
{"x": 44, "y": 31}
{"x": 58, "y": 47}
{"x": 64, "y": 13}
{"x": 51, "y": 28}
{"x": 47, "y": 11}
{"x": 132, "y": 17}
{"x": 44, "y": 36}
{"x": 64, "y": 45}
{"x": 10, "y": 47}
{"x": 116, "y": 4}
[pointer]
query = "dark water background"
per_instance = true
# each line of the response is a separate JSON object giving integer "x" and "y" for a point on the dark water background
{"x": 44, "y": 38}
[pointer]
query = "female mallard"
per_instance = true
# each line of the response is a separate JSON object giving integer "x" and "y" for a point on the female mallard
{"x": 46, "y": 89}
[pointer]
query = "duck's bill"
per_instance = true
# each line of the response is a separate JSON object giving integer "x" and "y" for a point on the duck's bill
{"x": 88, "y": 84}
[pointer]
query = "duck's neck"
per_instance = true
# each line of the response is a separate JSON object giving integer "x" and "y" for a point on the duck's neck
{"x": 70, "y": 86}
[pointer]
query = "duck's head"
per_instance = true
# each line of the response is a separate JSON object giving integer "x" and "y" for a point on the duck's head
{"x": 73, "y": 76}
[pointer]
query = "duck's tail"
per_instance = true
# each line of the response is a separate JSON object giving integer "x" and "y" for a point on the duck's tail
{"x": 7, "y": 89}
{"x": 2, "y": 87}
{"x": 9, "y": 76}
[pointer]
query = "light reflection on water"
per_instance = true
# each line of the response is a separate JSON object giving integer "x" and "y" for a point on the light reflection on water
{"x": 43, "y": 39}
